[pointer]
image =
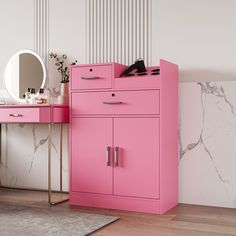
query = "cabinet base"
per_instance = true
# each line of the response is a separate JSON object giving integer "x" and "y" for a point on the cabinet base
{"x": 116, "y": 202}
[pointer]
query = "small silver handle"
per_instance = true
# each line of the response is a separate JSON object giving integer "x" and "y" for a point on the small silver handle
{"x": 108, "y": 156}
{"x": 15, "y": 115}
{"x": 90, "y": 77}
{"x": 112, "y": 102}
{"x": 116, "y": 156}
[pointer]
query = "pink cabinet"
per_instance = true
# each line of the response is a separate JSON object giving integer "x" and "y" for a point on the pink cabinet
{"x": 124, "y": 138}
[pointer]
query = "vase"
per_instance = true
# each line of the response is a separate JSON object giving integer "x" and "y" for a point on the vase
{"x": 63, "y": 98}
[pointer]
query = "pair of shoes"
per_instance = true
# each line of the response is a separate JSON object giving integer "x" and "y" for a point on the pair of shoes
{"x": 138, "y": 65}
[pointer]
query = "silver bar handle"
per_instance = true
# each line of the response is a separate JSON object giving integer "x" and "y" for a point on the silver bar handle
{"x": 16, "y": 115}
{"x": 108, "y": 156}
{"x": 112, "y": 102}
{"x": 116, "y": 156}
{"x": 90, "y": 77}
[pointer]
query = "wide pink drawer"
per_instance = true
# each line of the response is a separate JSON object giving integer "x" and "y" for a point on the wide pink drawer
{"x": 91, "y": 77}
{"x": 116, "y": 102}
{"x": 25, "y": 115}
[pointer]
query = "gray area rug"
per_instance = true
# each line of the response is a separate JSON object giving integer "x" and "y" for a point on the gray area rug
{"x": 33, "y": 221}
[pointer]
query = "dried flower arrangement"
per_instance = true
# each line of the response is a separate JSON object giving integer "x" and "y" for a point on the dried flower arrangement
{"x": 61, "y": 67}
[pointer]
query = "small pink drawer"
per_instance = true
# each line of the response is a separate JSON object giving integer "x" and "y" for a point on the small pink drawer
{"x": 91, "y": 77}
{"x": 116, "y": 102}
{"x": 24, "y": 115}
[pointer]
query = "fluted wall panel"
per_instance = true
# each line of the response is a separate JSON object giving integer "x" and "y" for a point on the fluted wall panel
{"x": 118, "y": 30}
{"x": 41, "y": 28}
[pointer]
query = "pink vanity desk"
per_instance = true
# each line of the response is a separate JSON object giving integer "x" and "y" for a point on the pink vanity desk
{"x": 40, "y": 114}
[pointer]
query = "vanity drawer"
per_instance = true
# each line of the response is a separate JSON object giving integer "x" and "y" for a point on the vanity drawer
{"x": 116, "y": 102}
{"x": 91, "y": 77}
{"x": 24, "y": 115}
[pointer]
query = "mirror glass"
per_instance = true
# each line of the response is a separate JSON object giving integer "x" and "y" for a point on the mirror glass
{"x": 24, "y": 70}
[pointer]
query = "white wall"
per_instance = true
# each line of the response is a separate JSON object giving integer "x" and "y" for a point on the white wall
{"x": 67, "y": 33}
{"x": 17, "y": 29}
{"x": 198, "y": 35}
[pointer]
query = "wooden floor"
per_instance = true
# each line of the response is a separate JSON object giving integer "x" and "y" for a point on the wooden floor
{"x": 184, "y": 220}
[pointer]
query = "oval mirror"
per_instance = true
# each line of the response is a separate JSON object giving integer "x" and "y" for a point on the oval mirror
{"x": 24, "y": 70}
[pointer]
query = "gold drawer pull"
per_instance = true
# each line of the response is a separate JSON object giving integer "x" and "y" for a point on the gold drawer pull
{"x": 112, "y": 102}
{"x": 16, "y": 115}
{"x": 90, "y": 77}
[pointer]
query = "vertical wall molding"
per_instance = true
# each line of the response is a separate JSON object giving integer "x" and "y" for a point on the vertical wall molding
{"x": 41, "y": 28}
{"x": 119, "y": 30}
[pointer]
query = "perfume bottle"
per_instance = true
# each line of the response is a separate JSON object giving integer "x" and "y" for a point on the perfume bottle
{"x": 41, "y": 98}
{"x": 32, "y": 96}
{"x": 27, "y": 95}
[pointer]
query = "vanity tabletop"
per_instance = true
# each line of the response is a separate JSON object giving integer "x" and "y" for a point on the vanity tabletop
{"x": 31, "y": 105}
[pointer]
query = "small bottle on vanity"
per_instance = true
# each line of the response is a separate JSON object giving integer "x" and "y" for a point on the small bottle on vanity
{"x": 27, "y": 95}
{"x": 41, "y": 98}
{"x": 32, "y": 96}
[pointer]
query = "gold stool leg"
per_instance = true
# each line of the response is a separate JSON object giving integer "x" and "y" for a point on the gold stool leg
{"x": 49, "y": 166}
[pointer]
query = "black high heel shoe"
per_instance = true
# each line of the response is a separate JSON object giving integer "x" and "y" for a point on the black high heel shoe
{"x": 138, "y": 65}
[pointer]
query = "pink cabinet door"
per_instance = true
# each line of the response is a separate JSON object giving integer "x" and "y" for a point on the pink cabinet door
{"x": 136, "y": 158}
{"x": 91, "y": 171}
